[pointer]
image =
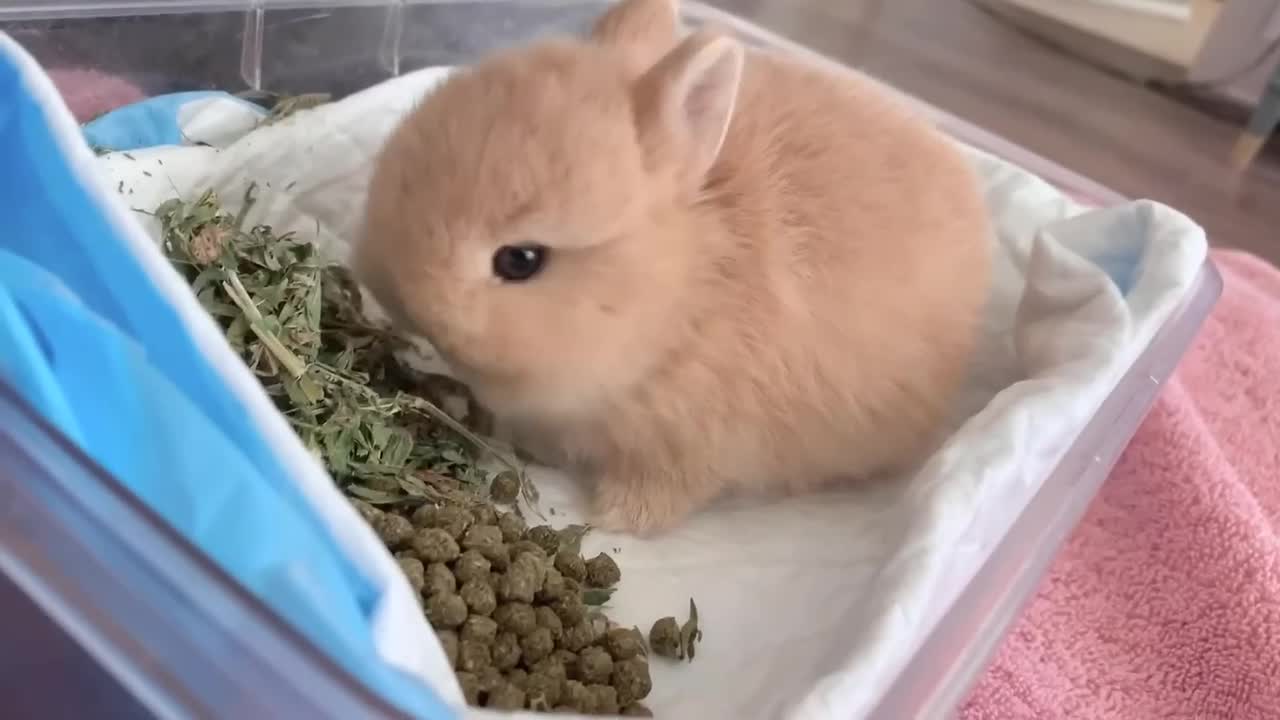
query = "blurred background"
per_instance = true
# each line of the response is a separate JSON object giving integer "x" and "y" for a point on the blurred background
{"x": 1149, "y": 97}
{"x": 1165, "y": 99}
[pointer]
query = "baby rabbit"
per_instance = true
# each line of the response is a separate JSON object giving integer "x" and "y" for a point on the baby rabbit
{"x": 678, "y": 267}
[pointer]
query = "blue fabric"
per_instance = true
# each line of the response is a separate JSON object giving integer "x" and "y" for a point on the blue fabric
{"x": 148, "y": 123}
{"x": 1127, "y": 234}
{"x": 89, "y": 341}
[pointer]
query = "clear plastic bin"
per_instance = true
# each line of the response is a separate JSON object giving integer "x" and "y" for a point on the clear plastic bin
{"x": 136, "y": 615}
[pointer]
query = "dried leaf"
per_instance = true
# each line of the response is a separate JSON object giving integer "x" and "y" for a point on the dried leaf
{"x": 287, "y": 105}
{"x": 571, "y": 537}
{"x": 644, "y": 645}
{"x": 398, "y": 448}
{"x": 595, "y": 597}
{"x": 689, "y": 632}
{"x": 375, "y": 497}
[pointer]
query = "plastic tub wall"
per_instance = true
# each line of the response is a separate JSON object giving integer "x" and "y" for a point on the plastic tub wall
{"x": 299, "y": 47}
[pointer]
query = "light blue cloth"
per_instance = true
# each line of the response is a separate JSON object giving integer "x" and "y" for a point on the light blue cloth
{"x": 91, "y": 343}
{"x": 149, "y": 123}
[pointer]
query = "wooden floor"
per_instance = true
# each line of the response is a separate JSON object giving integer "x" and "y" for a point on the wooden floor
{"x": 1141, "y": 143}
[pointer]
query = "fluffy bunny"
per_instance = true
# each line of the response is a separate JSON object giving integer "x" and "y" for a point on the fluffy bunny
{"x": 679, "y": 267}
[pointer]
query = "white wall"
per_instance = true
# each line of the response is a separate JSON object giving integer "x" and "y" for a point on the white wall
{"x": 1180, "y": 9}
{"x": 1244, "y": 28}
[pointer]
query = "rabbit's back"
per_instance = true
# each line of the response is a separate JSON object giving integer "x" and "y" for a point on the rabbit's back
{"x": 844, "y": 300}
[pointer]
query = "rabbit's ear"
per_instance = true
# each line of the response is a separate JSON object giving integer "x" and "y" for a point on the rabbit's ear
{"x": 685, "y": 102}
{"x": 644, "y": 29}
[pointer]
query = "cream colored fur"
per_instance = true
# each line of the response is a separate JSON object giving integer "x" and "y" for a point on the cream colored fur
{"x": 762, "y": 276}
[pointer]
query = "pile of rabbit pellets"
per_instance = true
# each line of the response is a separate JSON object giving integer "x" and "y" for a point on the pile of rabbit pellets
{"x": 512, "y": 607}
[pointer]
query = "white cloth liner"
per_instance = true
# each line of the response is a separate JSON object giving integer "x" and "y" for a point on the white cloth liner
{"x": 812, "y": 605}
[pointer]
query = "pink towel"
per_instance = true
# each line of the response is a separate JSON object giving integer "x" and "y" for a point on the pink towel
{"x": 89, "y": 93}
{"x": 1165, "y": 603}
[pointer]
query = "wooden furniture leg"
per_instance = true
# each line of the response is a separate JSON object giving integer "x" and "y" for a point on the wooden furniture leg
{"x": 1265, "y": 119}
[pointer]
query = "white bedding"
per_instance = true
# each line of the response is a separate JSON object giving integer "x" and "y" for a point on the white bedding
{"x": 810, "y": 606}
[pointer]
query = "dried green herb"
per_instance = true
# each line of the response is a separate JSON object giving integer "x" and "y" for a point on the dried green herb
{"x": 282, "y": 106}
{"x": 571, "y": 537}
{"x": 689, "y": 632}
{"x": 679, "y": 642}
{"x": 298, "y": 325}
{"x": 596, "y": 597}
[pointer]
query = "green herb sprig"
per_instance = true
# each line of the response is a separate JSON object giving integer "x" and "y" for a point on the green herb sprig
{"x": 298, "y": 324}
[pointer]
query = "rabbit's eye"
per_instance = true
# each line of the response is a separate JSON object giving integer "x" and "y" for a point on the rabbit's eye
{"x": 516, "y": 263}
